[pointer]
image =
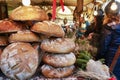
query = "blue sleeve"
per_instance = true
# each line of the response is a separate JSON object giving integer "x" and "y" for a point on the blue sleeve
{"x": 104, "y": 45}
{"x": 87, "y": 23}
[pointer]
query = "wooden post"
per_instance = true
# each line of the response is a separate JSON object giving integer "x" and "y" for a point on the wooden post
{"x": 80, "y": 9}
{"x": 114, "y": 61}
{"x": 79, "y": 6}
{"x": 3, "y": 9}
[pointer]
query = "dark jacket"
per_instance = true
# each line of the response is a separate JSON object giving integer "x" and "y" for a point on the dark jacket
{"x": 109, "y": 44}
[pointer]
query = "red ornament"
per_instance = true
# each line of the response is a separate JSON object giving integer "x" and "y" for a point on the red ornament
{"x": 54, "y": 8}
{"x": 112, "y": 78}
{"x": 62, "y": 5}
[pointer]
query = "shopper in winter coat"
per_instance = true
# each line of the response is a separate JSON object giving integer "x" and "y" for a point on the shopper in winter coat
{"x": 110, "y": 40}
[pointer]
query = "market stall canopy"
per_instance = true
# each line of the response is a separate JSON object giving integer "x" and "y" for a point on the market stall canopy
{"x": 47, "y": 5}
{"x": 68, "y": 13}
{"x": 15, "y": 3}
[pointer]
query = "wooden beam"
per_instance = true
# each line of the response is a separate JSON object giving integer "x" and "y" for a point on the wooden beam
{"x": 79, "y": 6}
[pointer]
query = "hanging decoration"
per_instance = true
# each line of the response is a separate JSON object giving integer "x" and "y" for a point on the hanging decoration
{"x": 113, "y": 6}
{"x": 95, "y": 10}
{"x": 54, "y": 8}
{"x": 26, "y": 2}
{"x": 112, "y": 9}
{"x": 62, "y": 5}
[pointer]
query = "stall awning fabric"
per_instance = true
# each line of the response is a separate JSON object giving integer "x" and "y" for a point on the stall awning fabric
{"x": 16, "y": 3}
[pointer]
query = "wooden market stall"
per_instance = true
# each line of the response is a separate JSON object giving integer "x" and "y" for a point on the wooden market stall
{"x": 33, "y": 47}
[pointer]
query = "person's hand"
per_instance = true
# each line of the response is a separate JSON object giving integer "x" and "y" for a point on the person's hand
{"x": 82, "y": 37}
{"x": 90, "y": 36}
{"x": 111, "y": 24}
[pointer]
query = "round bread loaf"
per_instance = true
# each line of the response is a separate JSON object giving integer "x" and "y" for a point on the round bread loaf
{"x": 0, "y": 53}
{"x": 59, "y": 60}
{"x": 51, "y": 72}
{"x": 48, "y": 28}
{"x": 3, "y": 40}
{"x": 19, "y": 61}
{"x": 58, "y": 45}
{"x": 23, "y": 13}
{"x": 7, "y": 26}
{"x": 24, "y": 36}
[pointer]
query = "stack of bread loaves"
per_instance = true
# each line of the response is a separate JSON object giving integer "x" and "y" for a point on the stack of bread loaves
{"x": 16, "y": 61}
{"x": 58, "y": 58}
{"x": 19, "y": 59}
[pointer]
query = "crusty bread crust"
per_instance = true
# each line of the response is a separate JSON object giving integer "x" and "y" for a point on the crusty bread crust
{"x": 7, "y": 26}
{"x": 51, "y": 72}
{"x": 19, "y": 61}
{"x": 23, "y": 13}
{"x": 48, "y": 28}
{"x": 24, "y": 36}
{"x": 58, "y": 45}
{"x": 59, "y": 60}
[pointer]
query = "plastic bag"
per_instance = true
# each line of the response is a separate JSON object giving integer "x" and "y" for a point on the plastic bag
{"x": 98, "y": 67}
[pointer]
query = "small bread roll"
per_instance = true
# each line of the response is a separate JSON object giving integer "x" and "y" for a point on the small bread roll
{"x": 23, "y": 13}
{"x": 48, "y": 28}
{"x": 59, "y": 60}
{"x": 24, "y": 36}
{"x": 51, "y": 72}
{"x": 19, "y": 61}
{"x": 58, "y": 45}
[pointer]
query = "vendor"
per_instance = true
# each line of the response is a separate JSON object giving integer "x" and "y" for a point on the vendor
{"x": 83, "y": 27}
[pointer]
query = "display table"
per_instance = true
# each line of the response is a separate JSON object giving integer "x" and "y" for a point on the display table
{"x": 39, "y": 76}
